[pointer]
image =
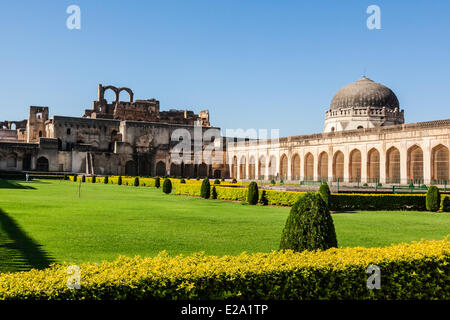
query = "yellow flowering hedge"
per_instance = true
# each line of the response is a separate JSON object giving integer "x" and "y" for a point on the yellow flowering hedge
{"x": 418, "y": 270}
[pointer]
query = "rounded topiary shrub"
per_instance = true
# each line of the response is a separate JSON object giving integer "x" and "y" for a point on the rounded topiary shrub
{"x": 94, "y": 179}
{"x": 214, "y": 193}
{"x": 433, "y": 200}
{"x": 106, "y": 180}
{"x": 167, "y": 186}
{"x": 205, "y": 190}
{"x": 264, "y": 201}
{"x": 234, "y": 181}
{"x": 182, "y": 180}
{"x": 252, "y": 195}
{"x": 217, "y": 181}
{"x": 119, "y": 181}
{"x": 445, "y": 204}
{"x": 325, "y": 193}
{"x": 309, "y": 225}
{"x": 136, "y": 181}
{"x": 83, "y": 178}
{"x": 157, "y": 182}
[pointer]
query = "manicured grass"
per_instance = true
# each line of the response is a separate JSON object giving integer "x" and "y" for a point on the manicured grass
{"x": 45, "y": 221}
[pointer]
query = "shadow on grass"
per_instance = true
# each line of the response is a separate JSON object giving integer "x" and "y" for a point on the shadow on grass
{"x": 18, "y": 251}
{"x": 12, "y": 184}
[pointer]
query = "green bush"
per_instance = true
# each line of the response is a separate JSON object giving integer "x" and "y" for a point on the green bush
{"x": 325, "y": 193}
{"x": 217, "y": 181}
{"x": 83, "y": 178}
{"x": 223, "y": 179}
{"x": 309, "y": 225}
{"x": 66, "y": 177}
{"x": 445, "y": 204}
{"x": 75, "y": 177}
{"x": 205, "y": 190}
{"x": 214, "y": 193}
{"x": 182, "y": 180}
{"x": 273, "y": 181}
{"x": 167, "y": 186}
{"x": 106, "y": 181}
{"x": 433, "y": 200}
{"x": 263, "y": 200}
{"x": 136, "y": 181}
{"x": 94, "y": 179}
{"x": 252, "y": 195}
{"x": 119, "y": 181}
{"x": 234, "y": 181}
{"x": 157, "y": 182}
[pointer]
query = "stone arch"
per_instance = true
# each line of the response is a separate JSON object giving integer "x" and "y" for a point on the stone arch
{"x": 338, "y": 166}
{"x": 11, "y": 160}
{"x": 295, "y": 167}
{"x": 284, "y": 167}
{"x": 242, "y": 168}
{"x": 440, "y": 164}
{"x": 128, "y": 90}
{"x": 251, "y": 168}
{"x": 393, "y": 165}
{"x": 160, "y": 169}
{"x": 262, "y": 168}
{"x": 272, "y": 166}
{"x": 355, "y": 165}
{"x": 309, "y": 167}
{"x": 112, "y": 88}
{"x": 373, "y": 165}
{"x": 415, "y": 164}
{"x": 323, "y": 166}
{"x": 42, "y": 164}
{"x": 130, "y": 168}
{"x": 202, "y": 170}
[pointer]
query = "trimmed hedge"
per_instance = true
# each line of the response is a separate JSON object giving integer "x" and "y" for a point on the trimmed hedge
{"x": 337, "y": 202}
{"x": 252, "y": 194}
{"x": 433, "y": 199}
{"x": 205, "y": 189}
{"x": 408, "y": 271}
{"x": 167, "y": 186}
{"x": 445, "y": 204}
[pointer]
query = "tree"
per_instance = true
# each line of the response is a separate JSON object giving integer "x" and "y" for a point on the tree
{"x": 309, "y": 225}
{"x": 325, "y": 193}
{"x": 94, "y": 179}
{"x": 252, "y": 194}
{"x": 83, "y": 178}
{"x": 167, "y": 186}
{"x": 205, "y": 190}
{"x": 157, "y": 182}
{"x": 433, "y": 200}
{"x": 119, "y": 181}
{"x": 136, "y": 181}
{"x": 214, "y": 193}
{"x": 75, "y": 178}
{"x": 106, "y": 180}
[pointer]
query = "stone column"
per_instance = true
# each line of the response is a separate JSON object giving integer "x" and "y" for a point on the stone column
{"x": 426, "y": 162}
{"x": 364, "y": 166}
{"x": 403, "y": 163}
{"x": 383, "y": 164}
{"x": 316, "y": 165}
{"x": 346, "y": 164}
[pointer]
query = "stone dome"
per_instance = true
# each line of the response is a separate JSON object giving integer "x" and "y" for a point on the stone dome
{"x": 364, "y": 93}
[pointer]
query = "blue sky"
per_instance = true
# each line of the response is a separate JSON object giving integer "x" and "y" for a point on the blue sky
{"x": 253, "y": 64}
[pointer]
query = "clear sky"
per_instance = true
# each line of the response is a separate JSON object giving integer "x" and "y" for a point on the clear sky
{"x": 252, "y": 63}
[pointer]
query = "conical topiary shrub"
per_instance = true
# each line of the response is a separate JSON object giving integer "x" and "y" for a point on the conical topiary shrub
{"x": 157, "y": 182}
{"x": 119, "y": 181}
{"x": 136, "y": 181}
{"x": 106, "y": 180}
{"x": 252, "y": 195}
{"x": 205, "y": 190}
{"x": 309, "y": 225}
{"x": 433, "y": 200}
{"x": 167, "y": 186}
{"x": 264, "y": 201}
{"x": 75, "y": 177}
{"x": 325, "y": 193}
{"x": 94, "y": 179}
{"x": 445, "y": 204}
{"x": 83, "y": 178}
{"x": 214, "y": 193}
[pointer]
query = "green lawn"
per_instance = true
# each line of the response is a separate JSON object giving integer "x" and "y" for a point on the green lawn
{"x": 45, "y": 221}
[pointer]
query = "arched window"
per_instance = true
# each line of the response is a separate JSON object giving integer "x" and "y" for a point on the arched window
{"x": 11, "y": 161}
{"x": 309, "y": 167}
{"x": 130, "y": 168}
{"x": 440, "y": 165}
{"x": 373, "y": 165}
{"x": 203, "y": 170}
{"x": 338, "y": 166}
{"x": 393, "y": 165}
{"x": 42, "y": 164}
{"x": 161, "y": 169}
{"x": 415, "y": 164}
{"x": 355, "y": 166}
{"x": 295, "y": 167}
{"x": 323, "y": 166}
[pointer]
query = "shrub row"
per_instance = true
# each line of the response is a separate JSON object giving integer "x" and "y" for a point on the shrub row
{"x": 408, "y": 271}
